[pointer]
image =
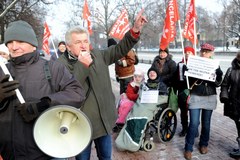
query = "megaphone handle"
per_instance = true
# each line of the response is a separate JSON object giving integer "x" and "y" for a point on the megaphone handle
{"x": 18, "y": 93}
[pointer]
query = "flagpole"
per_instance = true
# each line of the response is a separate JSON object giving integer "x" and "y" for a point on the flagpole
{"x": 184, "y": 58}
{"x": 54, "y": 47}
{"x": 6, "y": 71}
{"x": 195, "y": 36}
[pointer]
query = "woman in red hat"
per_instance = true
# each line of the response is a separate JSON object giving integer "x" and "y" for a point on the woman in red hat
{"x": 180, "y": 84}
{"x": 202, "y": 102}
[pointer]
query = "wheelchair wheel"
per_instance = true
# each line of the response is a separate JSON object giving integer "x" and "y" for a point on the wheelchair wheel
{"x": 167, "y": 125}
{"x": 148, "y": 145}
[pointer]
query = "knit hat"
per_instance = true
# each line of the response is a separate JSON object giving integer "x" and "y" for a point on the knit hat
{"x": 153, "y": 69}
{"x": 61, "y": 43}
{"x": 165, "y": 50}
{"x": 111, "y": 42}
{"x": 20, "y": 31}
{"x": 207, "y": 46}
{"x": 4, "y": 49}
{"x": 188, "y": 48}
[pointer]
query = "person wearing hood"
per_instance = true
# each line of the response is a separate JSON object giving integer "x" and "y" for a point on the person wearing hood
{"x": 41, "y": 89}
{"x": 165, "y": 66}
{"x": 4, "y": 53}
{"x": 128, "y": 99}
{"x": 153, "y": 79}
{"x": 229, "y": 95}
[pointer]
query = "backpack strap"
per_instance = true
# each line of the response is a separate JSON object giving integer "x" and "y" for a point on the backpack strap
{"x": 48, "y": 75}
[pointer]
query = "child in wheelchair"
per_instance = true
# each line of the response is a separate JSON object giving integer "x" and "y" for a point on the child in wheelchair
{"x": 128, "y": 99}
{"x": 131, "y": 137}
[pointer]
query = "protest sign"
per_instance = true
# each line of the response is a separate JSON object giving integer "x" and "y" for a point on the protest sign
{"x": 150, "y": 96}
{"x": 202, "y": 68}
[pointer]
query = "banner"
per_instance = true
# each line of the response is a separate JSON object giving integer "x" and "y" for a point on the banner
{"x": 86, "y": 16}
{"x": 189, "y": 31}
{"x": 121, "y": 26}
{"x": 169, "y": 30}
{"x": 46, "y": 36}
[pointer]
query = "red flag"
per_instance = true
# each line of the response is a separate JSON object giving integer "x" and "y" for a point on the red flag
{"x": 46, "y": 36}
{"x": 121, "y": 26}
{"x": 86, "y": 16}
{"x": 169, "y": 30}
{"x": 189, "y": 31}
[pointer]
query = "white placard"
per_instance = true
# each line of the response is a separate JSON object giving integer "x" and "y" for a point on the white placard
{"x": 150, "y": 96}
{"x": 202, "y": 68}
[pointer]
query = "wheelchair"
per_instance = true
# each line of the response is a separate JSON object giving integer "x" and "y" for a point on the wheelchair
{"x": 164, "y": 124}
{"x": 155, "y": 120}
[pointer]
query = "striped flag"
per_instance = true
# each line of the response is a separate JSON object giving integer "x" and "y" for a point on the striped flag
{"x": 86, "y": 16}
{"x": 189, "y": 31}
{"x": 121, "y": 26}
{"x": 46, "y": 36}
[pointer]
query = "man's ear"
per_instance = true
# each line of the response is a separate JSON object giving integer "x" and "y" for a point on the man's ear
{"x": 68, "y": 48}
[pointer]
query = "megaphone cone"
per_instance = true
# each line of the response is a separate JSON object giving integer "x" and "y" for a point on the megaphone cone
{"x": 62, "y": 131}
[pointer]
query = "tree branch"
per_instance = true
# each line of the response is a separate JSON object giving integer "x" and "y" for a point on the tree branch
{"x": 7, "y": 9}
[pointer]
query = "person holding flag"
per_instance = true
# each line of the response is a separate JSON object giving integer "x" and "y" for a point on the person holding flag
{"x": 90, "y": 67}
{"x": 40, "y": 93}
{"x": 180, "y": 84}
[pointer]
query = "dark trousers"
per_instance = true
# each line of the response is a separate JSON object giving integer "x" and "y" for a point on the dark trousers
{"x": 123, "y": 84}
{"x": 182, "y": 104}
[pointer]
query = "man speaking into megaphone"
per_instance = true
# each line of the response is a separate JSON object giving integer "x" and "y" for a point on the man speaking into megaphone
{"x": 90, "y": 67}
{"x": 42, "y": 83}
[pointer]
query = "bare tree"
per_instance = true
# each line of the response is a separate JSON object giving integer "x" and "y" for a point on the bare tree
{"x": 31, "y": 11}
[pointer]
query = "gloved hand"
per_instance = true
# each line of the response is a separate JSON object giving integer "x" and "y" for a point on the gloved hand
{"x": 184, "y": 68}
{"x": 120, "y": 63}
{"x": 7, "y": 88}
{"x": 224, "y": 100}
{"x": 219, "y": 74}
{"x": 30, "y": 111}
{"x": 117, "y": 79}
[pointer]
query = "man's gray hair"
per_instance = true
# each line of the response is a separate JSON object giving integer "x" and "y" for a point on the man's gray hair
{"x": 78, "y": 30}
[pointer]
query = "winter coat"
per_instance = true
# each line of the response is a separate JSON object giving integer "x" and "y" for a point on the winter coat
{"x": 100, "y": 101}
{"x": 132, "y": 91}
{"x": 167, "y": 71}
{"x": 230, "y": 89}
{"x": 54, "y": 56}
{"x": 203, "y": 87}
{"x": 127, "y": 69}
{"x": 179, "y": 80}
{"x": 16, "y": 136}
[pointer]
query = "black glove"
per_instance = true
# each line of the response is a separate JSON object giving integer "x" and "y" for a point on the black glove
{"x": 218, "y": 71}
{"x": 219, "y": 74}
{"x": 7, "y": 88}
{"x": 117, "y": 79}
{"x": 120, "y": 63}
{"x": 184, "y": 68}
{"x": 224, "y": 100}
{"x": 30, "y": 111}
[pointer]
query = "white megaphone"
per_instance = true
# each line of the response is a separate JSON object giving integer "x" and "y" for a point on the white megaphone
{"x": 62, "y": 131}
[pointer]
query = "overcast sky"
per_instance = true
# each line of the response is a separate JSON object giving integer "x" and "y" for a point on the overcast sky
{"x": 56, "y": 28}
{"x": 210, "y": 5}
